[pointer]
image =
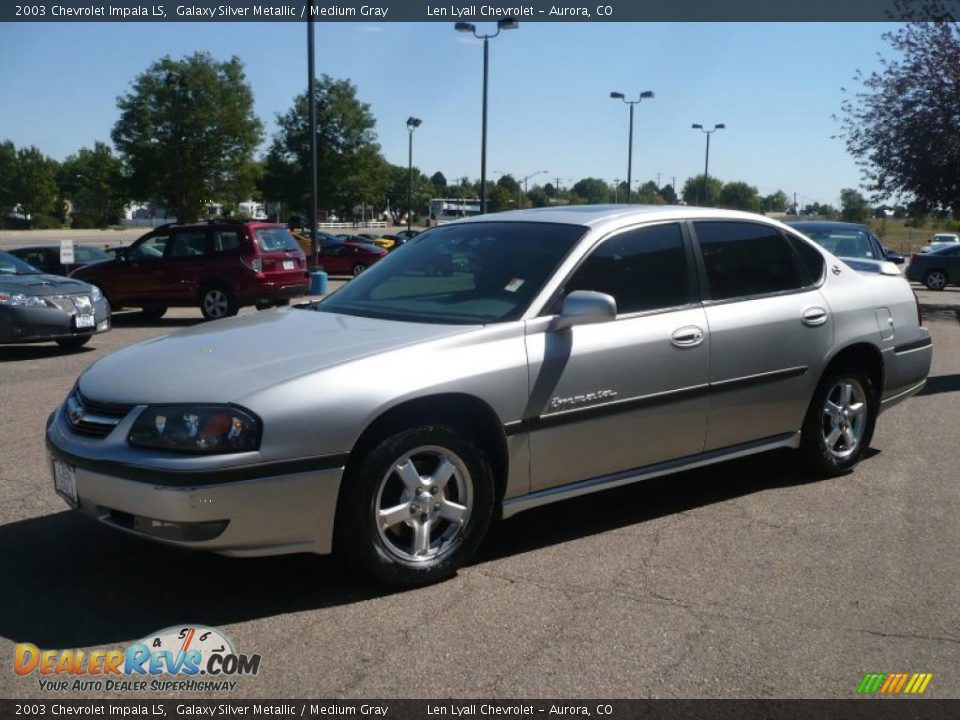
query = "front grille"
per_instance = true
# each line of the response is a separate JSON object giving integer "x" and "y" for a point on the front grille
{"x": 93, "y": 418}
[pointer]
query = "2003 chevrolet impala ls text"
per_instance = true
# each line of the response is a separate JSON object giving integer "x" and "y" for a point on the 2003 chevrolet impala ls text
{"x": 567, "y": 351}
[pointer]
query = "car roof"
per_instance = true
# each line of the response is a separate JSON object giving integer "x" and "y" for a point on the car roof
{"x": 598, "y": 216}
{"x": 826, "y": 225}
{"x": 53, "y": 247}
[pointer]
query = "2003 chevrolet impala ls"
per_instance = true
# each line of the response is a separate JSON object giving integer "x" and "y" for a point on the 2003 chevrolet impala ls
{"x": 487, "y": 367}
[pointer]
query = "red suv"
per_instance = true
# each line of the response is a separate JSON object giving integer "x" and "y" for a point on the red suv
{"x": 219, "y": 266}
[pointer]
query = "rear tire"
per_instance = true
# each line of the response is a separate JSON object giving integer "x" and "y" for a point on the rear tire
{"x": 73, "y": 343}
{"x": 415, "y": 506}
{"x": 935, "y": 280}
{"x": 216, "y": 302}
{"x": 840, "y": 421}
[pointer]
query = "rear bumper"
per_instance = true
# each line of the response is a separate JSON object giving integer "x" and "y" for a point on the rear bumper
{"x": 906, "y": 367}
{"x": 266, "y": 290}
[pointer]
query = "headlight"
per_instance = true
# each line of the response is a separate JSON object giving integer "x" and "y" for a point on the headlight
{"x": 21, "y": 300}
{"x": 196, "y": 429}
{"x": 95, "y": 293}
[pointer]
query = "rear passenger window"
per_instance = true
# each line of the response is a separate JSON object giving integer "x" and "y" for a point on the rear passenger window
{"x": 643, "y": 269}
{"x": 226, "y": 241}
{"x": 191, "y": 243}
{"x": 810, "y": 258}
{"x": 744, "y": 259}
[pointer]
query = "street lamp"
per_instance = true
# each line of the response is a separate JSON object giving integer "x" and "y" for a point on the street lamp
{"x": 646, "y": 94}
{"x": 412, "y": 124}
{"x": 706, "y": 164}
{"x": 507, "y": 23}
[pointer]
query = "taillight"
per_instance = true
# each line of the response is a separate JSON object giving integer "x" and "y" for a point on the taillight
{"x": 254, "y": 262}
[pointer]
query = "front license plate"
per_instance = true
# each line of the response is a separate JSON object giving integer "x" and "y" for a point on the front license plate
{"x": 65, "y": 481}
{"x": 289, "y": 265}
{"x": 86, "y": 321}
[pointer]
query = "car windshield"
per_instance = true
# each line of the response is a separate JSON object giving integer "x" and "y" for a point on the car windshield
{"x": 86, "y": 254}
{"x": 470, "y": 273}
{"x": 850, "y": 243}
{"x": 10, "y": 265}
{"x": 275, "y": 239}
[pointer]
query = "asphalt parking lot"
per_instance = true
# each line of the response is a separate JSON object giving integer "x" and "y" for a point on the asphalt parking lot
{"x": 744, "y": 580}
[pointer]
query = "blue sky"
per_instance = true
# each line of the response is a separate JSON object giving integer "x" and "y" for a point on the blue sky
{"x": 775, "y": 86}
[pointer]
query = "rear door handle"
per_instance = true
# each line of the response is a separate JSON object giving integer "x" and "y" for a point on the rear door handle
{"x": 688, "y": 336}
{"x": 814, "y": 316}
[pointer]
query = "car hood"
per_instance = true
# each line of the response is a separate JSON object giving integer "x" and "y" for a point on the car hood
{"x": 226, "y": 360}
{"x": 42, "y": 285}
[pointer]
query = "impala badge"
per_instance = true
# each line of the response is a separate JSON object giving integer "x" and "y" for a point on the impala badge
{"x": 568, "y": 403}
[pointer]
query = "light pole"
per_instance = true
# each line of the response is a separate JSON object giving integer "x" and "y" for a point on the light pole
{"x": 311, "y": 91}
{"x": 646, "y": 94}
{"x": 508, "y": 23}
{"x": 412, "y": 124}
{"x": 706, "y": 163}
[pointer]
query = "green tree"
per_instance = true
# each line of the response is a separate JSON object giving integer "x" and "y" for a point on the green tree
{"x": 649, "y": 194}
{"x": 853, "y": 206}
{"x": 591, "y": 191}
{"x": 439, "y": 182}
{"x": 187, "y": 133}
{"x": 34, "y": 187}
{"x": 94, "y": 182}
{"x": 902, "y": 125}
{"x": 509, "y": 183}
{"x": 669, "y": 194}
{"x": 537, "y": 197}
{"x": 349, "y": 165}
{"x": 740, "y": 196}
{"x": 693, "y": 190}
{"x": 775, "y": 202}
{"x": 8, "y": 173}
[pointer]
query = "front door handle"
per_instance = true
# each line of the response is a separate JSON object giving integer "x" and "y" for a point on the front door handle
{"x": 688, "y": 336}
{"x": 814, "y": 316}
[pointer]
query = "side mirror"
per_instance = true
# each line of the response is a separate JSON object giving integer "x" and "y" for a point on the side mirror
{"x": 584, "y": 307}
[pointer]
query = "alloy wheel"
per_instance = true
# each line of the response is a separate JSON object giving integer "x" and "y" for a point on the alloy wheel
{"x": 844, "y": 417}
{"x": 216, "y": 303}
{"x": 423, "y": 504}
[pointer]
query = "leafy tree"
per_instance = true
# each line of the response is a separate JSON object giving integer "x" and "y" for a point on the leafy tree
{"x": 693, "y": 190}
{"x": 902, "y": 126}
{"x": 537, "y": 197}
{"x": 669, "y": 194}
{"x": 508, "y": 183}
{"x": 32, "y": 184}
{"x": 439, "y": 182}
{"x": 8, "y": 173}
{"x": 349, "y": 165}
{"x": 853, "y": 206}
{"x": 591, "y": 191}
{"x": 94, "y": 181}
{"x": 740, "y": 196}
{"x": 187, "y": 133}
{"x": 423, "y": 190}
{"x": 775, "y": 202}
{"x": 649, "y": 194}
{"x": 828, "y": 212}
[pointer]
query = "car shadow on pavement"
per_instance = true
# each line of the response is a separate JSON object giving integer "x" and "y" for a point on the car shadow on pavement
{"x": 71, "y": 582}
{"x": 937, "y": 384}
{"x": 14, "y": 353}
{"x": 136, "y": 319}
{"x": 940, "y": 312}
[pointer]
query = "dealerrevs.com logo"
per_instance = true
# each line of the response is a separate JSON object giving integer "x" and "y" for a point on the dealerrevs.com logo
{"x": 181, "y": 658}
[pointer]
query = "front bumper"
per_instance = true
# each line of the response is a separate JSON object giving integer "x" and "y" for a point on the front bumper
{"x": 264, "y": 513}
{"x": 42, "y": 324}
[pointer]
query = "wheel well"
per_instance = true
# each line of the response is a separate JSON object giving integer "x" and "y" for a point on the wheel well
{"x": 862, "y": 356}
{"x": 462, "y": 411}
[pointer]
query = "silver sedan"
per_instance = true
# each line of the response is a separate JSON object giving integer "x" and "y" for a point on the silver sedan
{"x": 565, "y": 352}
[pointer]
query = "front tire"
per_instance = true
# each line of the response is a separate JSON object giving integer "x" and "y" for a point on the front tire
{"x": 840, "y": 422}
{"x": 415, "y": 507}
{"x": 935, "y": 280}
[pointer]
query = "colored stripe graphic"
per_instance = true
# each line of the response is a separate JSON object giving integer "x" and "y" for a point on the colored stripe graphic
{"x": 894, "y": 683}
